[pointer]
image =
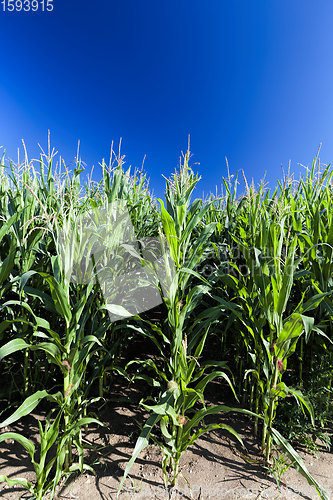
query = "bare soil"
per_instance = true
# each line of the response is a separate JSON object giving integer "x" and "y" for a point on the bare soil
{"x": 215, "y": 466}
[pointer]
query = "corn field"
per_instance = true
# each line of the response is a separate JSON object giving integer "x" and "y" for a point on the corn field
{"x": 250, "y": 272}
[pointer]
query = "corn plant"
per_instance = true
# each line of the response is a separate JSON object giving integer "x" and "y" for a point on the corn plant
{"x": 185, "y": 376}
{"x": 70, "y": 350}
{"x": 261, "y": 303}
{"x": 269, "y": 302}
{"x": 49, "y": 436}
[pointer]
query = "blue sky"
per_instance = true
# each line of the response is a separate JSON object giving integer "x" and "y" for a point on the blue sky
{"x": 250, "y": 81}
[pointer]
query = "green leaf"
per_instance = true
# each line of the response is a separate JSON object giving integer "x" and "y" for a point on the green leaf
{"x": 298, "y": 462}
{"x": 59, "y": 297}
{"x": 52, "y": 432}
{"x": 197, "y": 275}
{"x": 26, "y": 407}
{"x": 208, "y": 428}
{"x": 141, "y": 443}
{"x": 202, "y": 384}
{"x": 81, "y": 468}
{"x": 164, "y": 429}
{"x": 117, "y": 310}
{"x": 164, "y": 407}
{"x": 322, "y": 334}
{"x": 170, "y": 232}
{"x": 52, "y": 350}
{"x": 143, "y": 439}
{"x": 7, "y": 266}
{"x": 304, "y": 401}
{"x": 12, "y": 346}
{"x": 308, "y": 323}
{"x": 287, "y": 280}
{"x": 81, "y": 423}
{"x": 6, "y": 226}
{"x": 18, "y": 481}
{"x": 42, "y": 296}
{"x": 28, "y": 445}
{"x": 212, "y": 410}
{"x": 313, "y": 302}
{"x": 292, "y": 329}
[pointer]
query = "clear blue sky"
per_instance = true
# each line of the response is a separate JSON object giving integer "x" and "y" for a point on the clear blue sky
{"x": 249, "y": 80}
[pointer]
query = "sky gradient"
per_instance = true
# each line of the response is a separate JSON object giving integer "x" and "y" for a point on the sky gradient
{"x": 250, "y": 81}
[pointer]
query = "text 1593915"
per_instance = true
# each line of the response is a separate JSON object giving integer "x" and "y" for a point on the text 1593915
{"x": 27, "y": 5}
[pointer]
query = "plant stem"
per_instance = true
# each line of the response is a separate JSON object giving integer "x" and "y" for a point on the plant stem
{"x": 272, "y": 405}
{"x": 68, "y": 456}
{"x": 25, "y": 371}
{"x": 256, "y": 408}
{"x": 301, "y": 361}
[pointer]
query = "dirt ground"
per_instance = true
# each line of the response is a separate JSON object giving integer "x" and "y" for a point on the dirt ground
{"x": 213, "y": 467}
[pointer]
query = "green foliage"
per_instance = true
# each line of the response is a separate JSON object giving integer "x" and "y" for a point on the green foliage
{"x": 254, "y": 271}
